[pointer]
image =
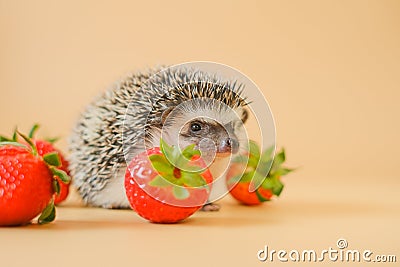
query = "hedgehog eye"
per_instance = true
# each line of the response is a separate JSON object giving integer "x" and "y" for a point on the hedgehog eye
{"x": 195, "y": 127}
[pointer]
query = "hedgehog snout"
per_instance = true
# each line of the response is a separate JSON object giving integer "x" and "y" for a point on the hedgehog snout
{"x": 227, "y": 146}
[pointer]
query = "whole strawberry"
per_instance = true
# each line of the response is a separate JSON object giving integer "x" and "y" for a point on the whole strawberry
{"x": 263, "y": 170}
{"x": 47, "y": 146}
{"x": 27, "y": 185}
{"x": 165, "y": 192}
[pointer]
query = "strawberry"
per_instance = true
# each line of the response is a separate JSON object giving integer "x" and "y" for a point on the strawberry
{"x": 43, "y": 147}
{"x": 47, "y": 146}
{"x": 27, "y": 185}
{"x": 166, "y": 186}
{"x": 256, "y": 169}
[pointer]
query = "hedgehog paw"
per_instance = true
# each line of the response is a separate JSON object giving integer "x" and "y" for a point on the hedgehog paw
{"x": 211, "y": 207}
{"x": 114, "y": 206}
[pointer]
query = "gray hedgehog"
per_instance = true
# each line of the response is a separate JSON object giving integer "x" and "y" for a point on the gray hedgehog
{"x": 185, "y": 106}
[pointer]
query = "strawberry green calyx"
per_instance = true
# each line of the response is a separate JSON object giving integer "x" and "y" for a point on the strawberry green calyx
{"x": 174, "y": 169}
{"x": 262, "y": 167}
{"x": 12, "y": 139}
{"x": 33, "y": 131}
{"x": 64, "y": 177}
{"x": 260, "y": 197}
{"x": 4, "y": 139}
{"x": 13, "y": 142}
{"x": 48, "y": 214}
{"x": 6, "y": 143}
{"x": 30, "y": 143}
{"x": 53, "y": 161}
{"x": 273, "y": 178}
{"x": 52, "y": 140}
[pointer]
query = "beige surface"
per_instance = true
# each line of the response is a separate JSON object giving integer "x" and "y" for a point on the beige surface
{"x": 308, "y": 216}
{"x": 329, "y": 69}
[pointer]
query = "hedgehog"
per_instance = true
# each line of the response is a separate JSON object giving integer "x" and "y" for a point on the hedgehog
{"x": 183, "y": 105}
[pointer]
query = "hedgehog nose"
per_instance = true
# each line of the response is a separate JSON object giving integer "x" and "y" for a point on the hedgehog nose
{"x": 228, "y": 145}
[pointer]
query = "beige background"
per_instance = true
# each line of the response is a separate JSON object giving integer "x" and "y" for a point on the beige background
{"x": 329, "y": 69}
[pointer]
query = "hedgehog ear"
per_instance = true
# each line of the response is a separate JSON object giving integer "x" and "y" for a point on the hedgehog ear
{"x": 245, "y": 115}
{"x": 165, "y": 114}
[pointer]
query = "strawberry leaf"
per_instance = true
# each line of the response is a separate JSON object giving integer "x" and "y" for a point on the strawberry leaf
{"x": 253, "y": 161}
{"x": 254, "y": 149}
{"x": 240, "y": 159}
{"x": 64, "y": 177}
{"x": 56, "y": 186}
{"x": 193, "y": 180}
{"x": 180, "y": 162}
{"x": 29, "y": 141}
{"x": 48, "y": 214}
{"x": 277, "y": 190}
{"x": 267, "y": 167}
{"x": 235, "y": 179}
{"x": 258, "y": 178}
{"x": 15, "y": 135}
{"x": 183, "y": 161}
{"x": 247, "y": 177}
{"x": 260, "y": 197}
{"x": 279, "y": 159}
{"x": 190, "y": 151}
{"x": 52, "y": 159}
{"x": 172, "y": 179}
{"x": 274, "y": 184}
{"x": 267, "y": 155}
{"x": 175, "y": 159}
{"x": 159, "y": 181}
{"x": 263, "y": 168}
{"x": 33, "y": 130}
{"x": 4, "y": 139}
{"x": 161, "y": 164}
{"x": 169, "y": 151}
{"x": 282, "y": 171}
{"x": 5, "y": 143}
{"x": 180, "y": 192}
{"x": 52, "y": 140}
{"x": 190, "y": 168}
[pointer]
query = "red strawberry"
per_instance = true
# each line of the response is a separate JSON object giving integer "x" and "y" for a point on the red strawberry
{"x": 26, "y": 183}
{"x": 43, "y": 147}
{"x": 162, "y": 193}
{"x": 263, "y": 170}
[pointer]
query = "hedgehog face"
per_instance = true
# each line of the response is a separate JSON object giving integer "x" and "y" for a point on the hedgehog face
{"x": 215, "y": 129}
{"x": 210, "y": 135}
